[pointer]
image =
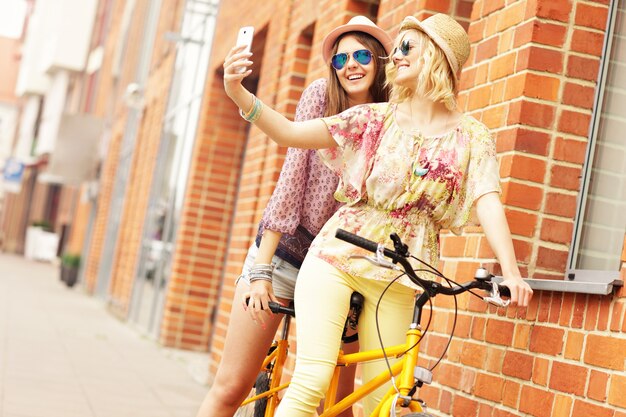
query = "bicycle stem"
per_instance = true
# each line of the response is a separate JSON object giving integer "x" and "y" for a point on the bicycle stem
{"x": 420, "y": 302}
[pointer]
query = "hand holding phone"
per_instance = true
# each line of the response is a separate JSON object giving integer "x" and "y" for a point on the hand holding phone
{"x": 244, "y": 37}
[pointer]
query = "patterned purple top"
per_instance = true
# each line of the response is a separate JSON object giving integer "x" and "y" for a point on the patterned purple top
{"x": 303, "y": 198}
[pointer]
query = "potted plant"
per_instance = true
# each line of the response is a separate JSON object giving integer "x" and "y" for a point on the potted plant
{"x": 32, "y": 237}
{"x": 41, "y": 243}
{"x": 43, "y": 225}
{"x": 70, "y": 263}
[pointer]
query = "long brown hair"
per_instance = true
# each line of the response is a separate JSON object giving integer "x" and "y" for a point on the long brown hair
{"x": 336, "y": 96}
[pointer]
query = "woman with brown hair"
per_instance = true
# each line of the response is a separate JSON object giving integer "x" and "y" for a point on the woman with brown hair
{"x": 412, "y": 166}
{"x": 300, "y": 205}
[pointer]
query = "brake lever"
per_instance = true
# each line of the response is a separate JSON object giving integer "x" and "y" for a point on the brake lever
{"x": 379, "y": 260}
{"x": 494, "y": 297}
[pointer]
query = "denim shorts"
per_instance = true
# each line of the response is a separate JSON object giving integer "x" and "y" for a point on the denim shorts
{"x": 283, "y": 278}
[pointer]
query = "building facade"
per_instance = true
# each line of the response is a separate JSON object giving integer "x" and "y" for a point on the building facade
{"x": 53, "y": 139}
{"x": 183, "y": 181}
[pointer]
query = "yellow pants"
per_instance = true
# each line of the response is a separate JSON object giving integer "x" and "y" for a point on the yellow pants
{"x": 322, "y": 300}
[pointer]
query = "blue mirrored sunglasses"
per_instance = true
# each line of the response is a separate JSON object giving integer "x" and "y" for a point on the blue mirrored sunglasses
{"x": 362, "y": 56}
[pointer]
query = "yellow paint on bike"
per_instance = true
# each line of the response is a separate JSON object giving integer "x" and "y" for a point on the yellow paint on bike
{"x": 407, "y": 377}
{"x": 408, "y": 354}
{"x": 331, "y": 393}
{"x": 363, "y": 391}
{"x": 277, "y": 374}
{"x": 265, "y": 394}
{"x": 386, "y": 405}
{"x": 392, "y": 352}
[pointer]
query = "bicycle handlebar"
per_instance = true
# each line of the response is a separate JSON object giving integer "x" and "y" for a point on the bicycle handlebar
{"x": 481, "y": 281}
{"x": 278, "y": 308}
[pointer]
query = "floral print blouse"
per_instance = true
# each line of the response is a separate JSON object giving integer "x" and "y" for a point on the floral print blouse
{"x": 303, "y": 198}
{"x": 392, "y": 180}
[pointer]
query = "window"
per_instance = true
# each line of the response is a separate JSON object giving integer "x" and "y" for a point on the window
{"x": 601, "y": 220}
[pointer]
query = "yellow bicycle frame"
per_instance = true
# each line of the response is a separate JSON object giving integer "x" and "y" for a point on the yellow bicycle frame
{"x": 405, "y": 367}
{"x": 279, "y": 356}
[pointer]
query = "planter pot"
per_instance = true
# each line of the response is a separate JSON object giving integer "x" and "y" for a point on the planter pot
{"x": 69, "y": 275}
{"x": 63, "y": 272}
{"x": 47, "y": 246}
{"x": 40, "y": 245}
{"x": 30, "y": 244}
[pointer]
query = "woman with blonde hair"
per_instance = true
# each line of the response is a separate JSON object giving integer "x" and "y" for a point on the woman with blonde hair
{"x": 412, "y": 166}
{"x": 300, "y": 205}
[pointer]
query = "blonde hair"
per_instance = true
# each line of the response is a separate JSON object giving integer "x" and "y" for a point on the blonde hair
{"x": 435, "y": 80}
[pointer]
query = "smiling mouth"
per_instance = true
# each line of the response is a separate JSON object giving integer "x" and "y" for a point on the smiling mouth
{"x": 355, "y": 77}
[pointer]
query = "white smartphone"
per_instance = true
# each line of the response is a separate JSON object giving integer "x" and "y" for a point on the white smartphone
{"x": 244, "y": 37}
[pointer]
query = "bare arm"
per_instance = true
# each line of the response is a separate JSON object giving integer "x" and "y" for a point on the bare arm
{"x": 286, "y": 201}
{"x": 311, "y": 134}
{"x": 262, "y": 290}
{"x": 491, "y": 215}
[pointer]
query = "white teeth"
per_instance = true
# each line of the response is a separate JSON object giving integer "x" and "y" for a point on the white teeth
{"x": 355, "y": 77}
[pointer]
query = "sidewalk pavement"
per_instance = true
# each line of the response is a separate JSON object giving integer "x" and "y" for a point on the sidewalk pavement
{"x": 62, "y": 354}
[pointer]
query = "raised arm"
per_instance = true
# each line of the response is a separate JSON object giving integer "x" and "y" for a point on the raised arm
{"x": 493, "y": 221}
{"x": 311, "y": 134}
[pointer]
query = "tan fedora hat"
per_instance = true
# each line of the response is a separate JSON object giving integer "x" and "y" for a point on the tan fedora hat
{"x": 447, "y": 34}
{"x": 356, "y": 24}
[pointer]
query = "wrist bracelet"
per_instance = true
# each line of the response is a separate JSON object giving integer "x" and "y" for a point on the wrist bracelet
{"x": 249, "y": 112}
{"x": 255, "y": 110}
{"x": 260, "y": 278}
{"x": 262, "y": 267}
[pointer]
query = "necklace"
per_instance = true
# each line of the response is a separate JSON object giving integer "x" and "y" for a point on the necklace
{"x": 421, "y": 167}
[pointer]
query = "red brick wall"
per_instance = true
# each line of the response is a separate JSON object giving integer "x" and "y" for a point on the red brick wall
{"x": 10, "y": 55}
{"x": 110, "y": 104}
{"x": 531, "y": 78}
{"x": 78, "y": 224}
{"x": 105, "y": 189}
{"x": 15, "y": 218}
{"x": 210, "y": 237}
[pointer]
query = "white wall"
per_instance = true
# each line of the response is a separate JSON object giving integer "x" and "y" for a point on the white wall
{"x": 26, "y": 133}
{"x": 59, "y": 33}
{"x": 71, "y": 24}
{"x": 8, "y": 115}
{"x": 54, "y": 106}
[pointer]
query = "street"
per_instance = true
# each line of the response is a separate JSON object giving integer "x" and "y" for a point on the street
{"x": 62, "y": 354}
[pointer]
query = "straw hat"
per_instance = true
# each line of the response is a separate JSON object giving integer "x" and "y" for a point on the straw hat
{"x": 447, "y": 34}
{"x": 356, "y": 24}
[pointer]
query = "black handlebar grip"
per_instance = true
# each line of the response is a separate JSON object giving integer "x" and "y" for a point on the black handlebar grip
{"x": 504, "y": 291}
{"x": 278, "y": 308}
{"x": 356, "y": 240}
{"x": 281, "y": 309}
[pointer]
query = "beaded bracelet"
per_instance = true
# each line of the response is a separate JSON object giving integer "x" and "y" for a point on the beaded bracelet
{"x": 255, "y": 111}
